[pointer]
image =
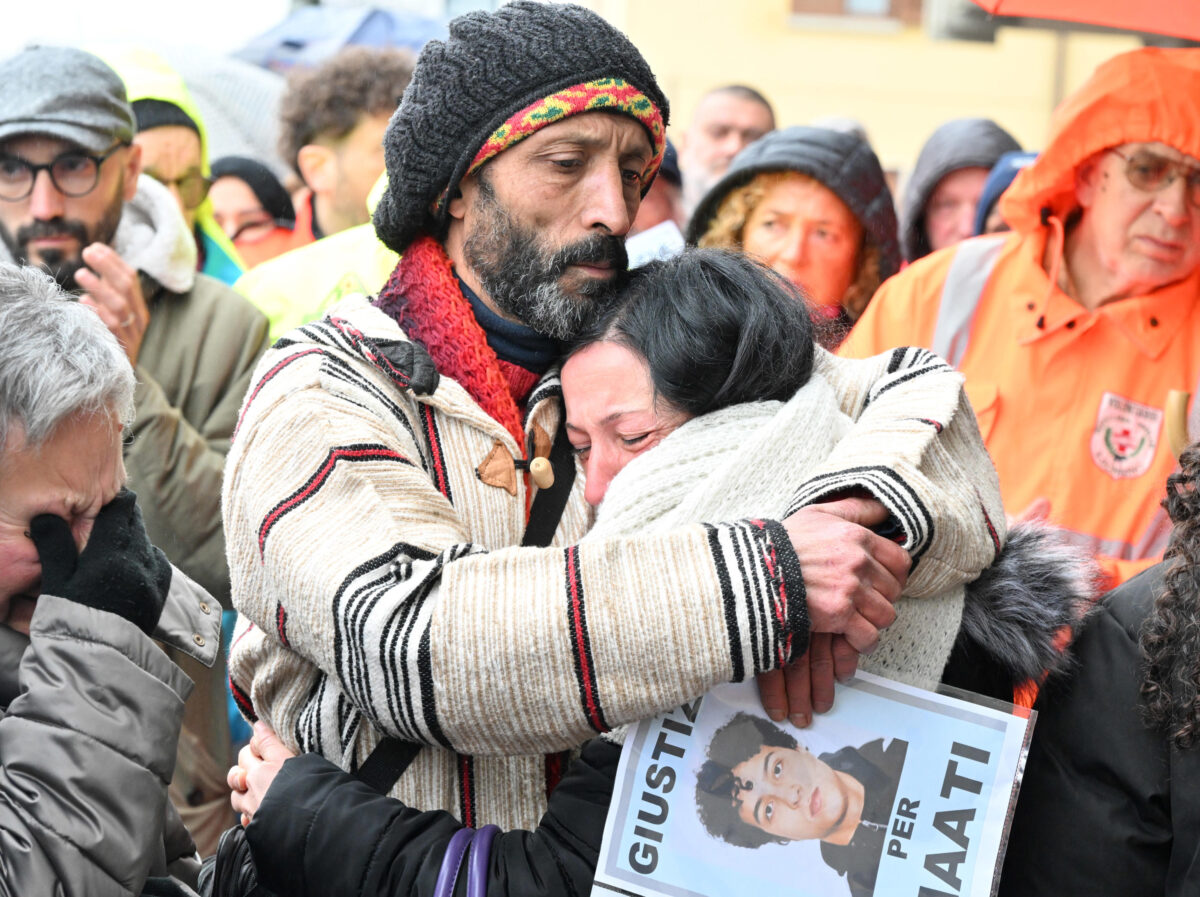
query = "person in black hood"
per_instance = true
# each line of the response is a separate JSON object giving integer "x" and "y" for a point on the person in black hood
{"x": 944, "y": 187}
{"x": 813, "y": 204}
{"x": 251, "y": 205}
{"x": 1108, "y": 804}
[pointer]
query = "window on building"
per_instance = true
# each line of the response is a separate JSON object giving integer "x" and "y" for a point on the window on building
{"x": 906, "y": 11}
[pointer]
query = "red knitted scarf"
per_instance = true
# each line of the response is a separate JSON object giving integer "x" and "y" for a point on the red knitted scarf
{"x": 424, "y": 298}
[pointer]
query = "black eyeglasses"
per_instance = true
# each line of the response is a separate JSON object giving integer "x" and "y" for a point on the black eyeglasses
{"x": 1150, "y": 172}
{"x": 193, "y": 187}
{"x": 73, "y": 174}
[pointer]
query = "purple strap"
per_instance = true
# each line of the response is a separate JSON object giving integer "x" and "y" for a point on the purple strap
{"x": 477, "y": 865}
{"x": 452, "y": 862}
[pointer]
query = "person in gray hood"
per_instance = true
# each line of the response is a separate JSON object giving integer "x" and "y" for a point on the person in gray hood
{"x": 91, "y": 707}
{"x": 943, "y": 190}
{"x": 813, "y": 205}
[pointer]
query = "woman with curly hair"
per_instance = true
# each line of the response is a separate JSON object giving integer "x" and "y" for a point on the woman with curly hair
{"x": 813, "y": 205}
{"x": 1110, "y": 804}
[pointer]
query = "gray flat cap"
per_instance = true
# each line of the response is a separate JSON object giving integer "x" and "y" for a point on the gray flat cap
{"x": 65, "y": 93}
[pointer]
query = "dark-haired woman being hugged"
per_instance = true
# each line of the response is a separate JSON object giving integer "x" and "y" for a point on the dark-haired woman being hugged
{"x": 1110, "y": 805}
{"x": 700, "y": 394}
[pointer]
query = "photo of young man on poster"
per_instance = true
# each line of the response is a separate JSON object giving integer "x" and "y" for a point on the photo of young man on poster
{"x": 759, "y": 786}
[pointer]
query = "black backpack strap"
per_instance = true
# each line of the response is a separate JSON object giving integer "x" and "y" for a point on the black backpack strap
{"x": 384, "y": 765}
{"x": 548, "y": 504}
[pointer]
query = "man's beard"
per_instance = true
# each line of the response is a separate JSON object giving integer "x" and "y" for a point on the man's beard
{"x": 58, "y": 264}
{"x": 524, "y": 279}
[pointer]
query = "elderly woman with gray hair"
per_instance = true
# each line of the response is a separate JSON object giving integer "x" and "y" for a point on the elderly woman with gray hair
{"x": 91, "y": 706}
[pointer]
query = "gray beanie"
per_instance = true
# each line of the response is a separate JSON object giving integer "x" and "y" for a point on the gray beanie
{"x": 65, "y": 93}
{"x": 959, "y": 143}
{"x": 492, "y": 66}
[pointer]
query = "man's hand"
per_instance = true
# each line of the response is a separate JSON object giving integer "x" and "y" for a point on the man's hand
{"x": 258, "y": 764}
{"x": 806, "y": 685}
{"x": 851, "y": 575}
{"x": 111, "y": 286}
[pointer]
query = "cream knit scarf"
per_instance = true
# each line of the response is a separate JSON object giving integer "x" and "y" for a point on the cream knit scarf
{"x": 748, "y": 461}
{"x": 742, "y": 461}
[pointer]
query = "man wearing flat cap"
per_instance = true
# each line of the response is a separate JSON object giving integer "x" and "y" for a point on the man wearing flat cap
{"x": 72, "y": 201}
{"x": 1073, "y": 330}
{"x": 390, "y": 497}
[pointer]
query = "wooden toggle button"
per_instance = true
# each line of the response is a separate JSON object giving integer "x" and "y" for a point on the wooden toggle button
{"x": 542, "y": 473}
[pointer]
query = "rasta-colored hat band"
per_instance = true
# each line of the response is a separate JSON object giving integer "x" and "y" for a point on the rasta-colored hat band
{"x": 611, "y": 94}
{"x": 604, "y": 94}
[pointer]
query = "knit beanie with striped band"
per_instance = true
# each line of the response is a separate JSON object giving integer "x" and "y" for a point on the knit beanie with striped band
{"x": 498, "y": 78}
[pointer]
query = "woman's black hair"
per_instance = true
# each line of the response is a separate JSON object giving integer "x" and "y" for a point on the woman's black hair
{"x": 715, "y": 327}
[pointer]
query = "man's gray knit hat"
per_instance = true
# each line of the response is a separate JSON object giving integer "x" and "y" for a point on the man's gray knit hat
{"x": 65, "y": 93}
{"x": 492, "y": 66}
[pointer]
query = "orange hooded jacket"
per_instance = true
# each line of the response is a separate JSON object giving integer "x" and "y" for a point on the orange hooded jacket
{"x": 1070, "y": 401}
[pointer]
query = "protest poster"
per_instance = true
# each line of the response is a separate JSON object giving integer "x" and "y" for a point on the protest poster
{"x": 895, "y": 791}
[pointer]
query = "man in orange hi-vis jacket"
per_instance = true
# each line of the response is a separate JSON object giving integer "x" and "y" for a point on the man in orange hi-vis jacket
{"x": 1072, "y": 330}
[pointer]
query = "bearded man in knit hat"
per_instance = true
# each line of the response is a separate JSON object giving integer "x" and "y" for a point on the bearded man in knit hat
{"x": 398, "y": 464}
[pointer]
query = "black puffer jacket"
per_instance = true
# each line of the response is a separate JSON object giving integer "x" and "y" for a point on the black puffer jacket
{"x": 1107, "y": 808}
{"x": 321, "y": 831}
{"x": 842, "y": 162}
{"x": 961, "y": 143}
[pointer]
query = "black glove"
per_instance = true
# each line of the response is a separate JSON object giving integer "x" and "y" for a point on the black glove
{"x": 119, "y": 570}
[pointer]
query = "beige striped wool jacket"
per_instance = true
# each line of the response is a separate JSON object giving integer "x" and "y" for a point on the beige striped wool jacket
{"x": 382, "y": 589}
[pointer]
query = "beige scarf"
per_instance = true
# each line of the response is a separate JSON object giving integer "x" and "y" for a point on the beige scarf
{"x": 750, "y": 460}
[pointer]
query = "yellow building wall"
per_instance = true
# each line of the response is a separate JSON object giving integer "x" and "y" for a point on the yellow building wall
{"x": 900, "y": 84}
